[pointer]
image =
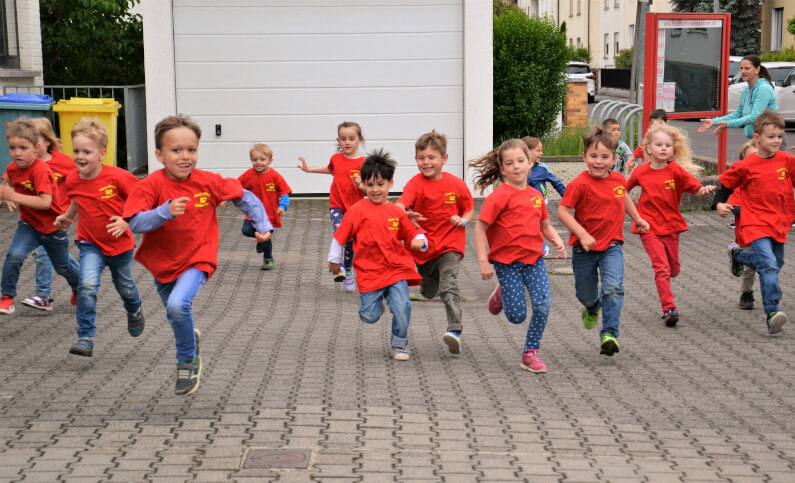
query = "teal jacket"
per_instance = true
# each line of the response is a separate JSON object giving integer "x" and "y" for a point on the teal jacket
{"x": 752, "y": 103}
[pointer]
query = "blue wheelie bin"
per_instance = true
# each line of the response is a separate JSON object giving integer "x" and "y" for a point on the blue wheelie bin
{"x": 13, "y": 106}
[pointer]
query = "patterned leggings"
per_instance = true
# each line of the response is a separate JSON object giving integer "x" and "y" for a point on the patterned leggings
{"x": 336, "y": 215}
{"x": 513, "y": 280}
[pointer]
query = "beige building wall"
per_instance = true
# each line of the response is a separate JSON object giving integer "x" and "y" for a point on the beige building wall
{"x": 29, "y": 49}
{"x": 768, "y": 7}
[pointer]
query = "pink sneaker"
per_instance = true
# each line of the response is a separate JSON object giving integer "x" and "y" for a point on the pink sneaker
{"x": 495, "y": 301}
{"x": 531, "y": 362}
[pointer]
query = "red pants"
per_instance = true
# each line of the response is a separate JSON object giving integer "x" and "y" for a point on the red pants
{"x": 663, "y": 251}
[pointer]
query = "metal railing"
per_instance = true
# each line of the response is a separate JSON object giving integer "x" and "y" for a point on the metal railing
{"x": 628, "y": 115}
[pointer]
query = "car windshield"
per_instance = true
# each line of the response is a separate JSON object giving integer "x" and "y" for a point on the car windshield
{"x": 578, "y": 69}
{"x": 778, "y": 74}
{"x": 734, "y": 67}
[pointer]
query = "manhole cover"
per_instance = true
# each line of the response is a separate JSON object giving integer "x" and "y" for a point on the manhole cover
{"x": 277, "y": 458}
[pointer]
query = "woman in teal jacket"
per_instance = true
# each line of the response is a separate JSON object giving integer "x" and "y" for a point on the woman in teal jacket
{"x": 754, "y": 99}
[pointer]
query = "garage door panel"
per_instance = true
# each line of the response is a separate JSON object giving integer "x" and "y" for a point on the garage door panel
{"x": 308, "y": 3}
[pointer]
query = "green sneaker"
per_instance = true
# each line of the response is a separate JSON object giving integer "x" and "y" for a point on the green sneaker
{"x": 775, "y": 321}
{"x": 737, "y": 267}
{"x": 267, "y": 265}
{"x": 189, "y": 373}
{"x": 609, "y": 345}
{"x": 588, "y": 319}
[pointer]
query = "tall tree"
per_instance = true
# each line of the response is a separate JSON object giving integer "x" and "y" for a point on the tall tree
{"x": 745, "y": 33}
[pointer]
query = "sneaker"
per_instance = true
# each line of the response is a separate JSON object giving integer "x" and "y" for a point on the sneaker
{"x": 495, "y": 301}
{"x": 340, "y": 276}
{"x": 83, "y": 347}
{"x": 670, "y": 317}
{"x": 73, "y": 300}
{"x": 609, "y": 345}
{"x": 589, "y": 319}
{"x": 746, "y": 301}
{"x": 737, "y": 267}
{"x": 349, "y": 284}
{"x": 531, "y": 362}
{"x": 400, "y": 354}
{"x": 775, "y": 321}
{"x": 135, "y": 323}
{"x": 260, "y": 248}
{"x": 453, "y": 341}
{"x": 189, "y": 373}
{"x": 731, "y": 225}
{"x": 40, "y": 303}
{"x": 267, "y": 265}
{"x": 6, "y": 305}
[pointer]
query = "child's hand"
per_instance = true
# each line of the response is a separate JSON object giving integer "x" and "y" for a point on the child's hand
{"x": 642, "y": 225}
{"x": 705, "y": 190}
{"x": 334, "y": 268}
{"x": 587, "y": 242}
{"x": 630, "y": 165}
{"x": 561, "y": 249}
{"x": 417, "y": 244}
{"x": 724, "y": 209}
{"x": 416, "y": 218}
{"x": 223, "y": 204}
{"x": 486, "y": 269}
{"x": 62, "y": 222}
{"x": 6, "y": 191}
{"x": 303, "y": 166}
{"x": 792, "y": 148}
{"x": 262, "y": 237}
{"x": 280, "y": 211}
{"x": 117, "y": 226}
{"x": 457, "y": 221}
{"x": 11, "y": 205}
{"x": 357, "y": 180}
{"x": 177, "y": 207}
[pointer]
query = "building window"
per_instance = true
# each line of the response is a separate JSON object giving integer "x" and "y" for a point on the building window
{"x": 615, "y": 41}
{"x": 607, "y": 4}
{"x": 615, "y": 4}
{"x": 607, "y": 45}
{"x": 579, "y": 7}
{"x": 9, "y": 38}
{"x": 776, "y": 28}
{"x": 571, "y": 8}
{"x": 579, "y": 43}
{"x": 631, "y": 36}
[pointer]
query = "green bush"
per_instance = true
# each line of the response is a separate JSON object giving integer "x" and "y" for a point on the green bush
{"x": 566, "y": 142}
{"x": 581, "y": 54}
{"x": 530, "y": 57}
{"x": 786, "y": 55}
{"x": 624, "y": 59}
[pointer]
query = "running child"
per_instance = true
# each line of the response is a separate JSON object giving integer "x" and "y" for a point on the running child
{"x": 31, "y": 186}
{"x": 174, "y": 208}
{"x": 623, "y": 152}
{"x": 442, "y": 205}
{"x": 768, "y": 208}
{"x": 384, "y": 267}
{"x": 593, "y": 210}
{"x": 540, "y": 174}
{"x": 514, "y": 220}
{"x": 346, "y": 189}
{"x": 97, "y": 194}
{"x": 272, "y": 190}
{"x": 664, "y": 179}
{"x": 657, "y": 116}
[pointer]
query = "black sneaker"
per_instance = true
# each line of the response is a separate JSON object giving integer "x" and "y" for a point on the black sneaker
{"x": 775, "y": 320}
{"x": 135, "y": 323}
{"x": 260, "y": 247}
{"x": 746, "y": 301}
{"x": 189, "y": 373}
{"x": 670, "y": 317}
{"x": 609, "y": 345}
{"x": 737, "y": 267}
{"x": 83, "y": 347}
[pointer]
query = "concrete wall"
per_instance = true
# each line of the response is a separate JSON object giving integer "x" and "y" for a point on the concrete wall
{"x": 30, "y": 58}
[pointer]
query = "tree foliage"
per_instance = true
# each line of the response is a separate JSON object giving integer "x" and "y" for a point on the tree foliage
{"x": 581, "y": 54}
{"x": 97, "y": 42}
{"x": 530, "y": 56}
{"x": 745, "y": 33}
{"x": 624, "y": 58}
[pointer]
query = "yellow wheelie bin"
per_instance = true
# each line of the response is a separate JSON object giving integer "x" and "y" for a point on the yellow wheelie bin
{"x": 72, "y": 110}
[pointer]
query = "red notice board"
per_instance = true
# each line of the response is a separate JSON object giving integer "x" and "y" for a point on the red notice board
{"x": 686, "y": 65}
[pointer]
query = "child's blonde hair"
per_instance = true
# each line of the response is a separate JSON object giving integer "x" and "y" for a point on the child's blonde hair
{"x": 433, "y": 139}
{"x": 488, "y": 166}
{"x": 23, "y": 128}
{"x": 175, "y": 122}
{"x": 261, "y": 148}
{"x": 93, "y": 129}
{"x": 682, "y": 154}
{"x": 47, "y": 133}
{"x": 745, "y": 148}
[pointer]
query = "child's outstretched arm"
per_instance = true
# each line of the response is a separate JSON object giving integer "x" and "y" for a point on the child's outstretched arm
{"x": 253, "y": 208}
{"x": 705, "y": 190}
{"x": 640, "y": 224}
{"x": 62, "y": 222}
{"x": 284, "y": 203}
{"x": 567, "y": 218}
{"x": 481, "y": 247}
{"x": 551, "y": 234}
{"x": 41, "y": 201}
{"x": 146, "y": 221}
{"x": 307, "y": 169}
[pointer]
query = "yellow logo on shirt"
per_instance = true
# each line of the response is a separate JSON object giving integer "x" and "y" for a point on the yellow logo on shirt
{"x": 355, "y": 172}
{"x": 670, "y": 184}
{"x": 538, "y": 201}
{"x": 450, "y": 198}
{"x": 27, "y": 184}
{"x": 270, "y": 187}
{"x": 619, "y": 191}
{"x": 393, "y": 223}
{"x": 57, "y": 176}
{"x": 202, "y": 199}
{"x": 108, "y": 191}
{"x": 782, "y": 173}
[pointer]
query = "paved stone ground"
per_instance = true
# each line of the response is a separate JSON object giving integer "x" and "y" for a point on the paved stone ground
{"x": 288, "y": 365}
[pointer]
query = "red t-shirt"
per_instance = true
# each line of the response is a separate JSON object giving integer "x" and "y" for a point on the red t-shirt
{"x": 62, "y": 166}
{"x": 187, "y": 241}
{"x": 97, "y": 200}
{"x": 438, "y": 201}
{"x": 662, "y": 192}
{"x": 598, "y": 206}
{"x": 377, "y": 232}
{"x": 768, "y": 205}
{"x": 34, "y": 180}
{"x": 343, "y": 192}
{"x": 269, "y": 187}
{"x": 638, "y": 153}
{"x": 514, "y": 217}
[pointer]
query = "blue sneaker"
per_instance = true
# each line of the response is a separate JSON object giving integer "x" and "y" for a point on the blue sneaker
{"x": 83, "y": 347}
{"x": 453, "y": 341}
{"x": 135, "y": 323}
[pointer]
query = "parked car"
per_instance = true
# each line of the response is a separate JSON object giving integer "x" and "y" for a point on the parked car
{"x": 734, "y": 65}
{"x": 778, "y": 72}
{"x": 581, "y": 70}
{"x": 785, "y": 97}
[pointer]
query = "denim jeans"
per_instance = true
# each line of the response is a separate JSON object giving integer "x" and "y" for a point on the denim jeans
{"x": 92, "y": 263}
{"x": 44, "y": 272}
{"x": 397, "y": 299}
{"x": 766, "y": 258}
{"x": 336, "y": 216}
{"x": 440, "y": 277}
{"x": 27, "y": 239}
{"x": 177, "y": 298}
{"x": 514, "y": 278}
{"x": 588, "y": 268}
{"x": 267, "y": 247}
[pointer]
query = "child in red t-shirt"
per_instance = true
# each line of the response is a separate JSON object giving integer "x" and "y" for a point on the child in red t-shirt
{"x": 174, "y": 208}
{"x": 442, "y": 205}
{"x": 599, "y": 201}
{"x": 31, "y": 187}
{"x": 664, "y": 179}
{"x": 768, "y": 209}
{"x": 97, "y": 194}
{"x": 384, "y": 266}
{"x": 514, "y": 220}
{"x": 657, "y": 116}
{"x": 346, "y": 189}
{"x": 274, "y": 192}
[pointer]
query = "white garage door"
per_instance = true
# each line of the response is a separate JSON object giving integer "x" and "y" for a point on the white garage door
{"x": 287, "y": 73}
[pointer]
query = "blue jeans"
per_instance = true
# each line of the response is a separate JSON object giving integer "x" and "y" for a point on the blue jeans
{"x": 514, "y": 278}
{"x": 267, "y": 247}
{"x": 44, "y": 272}
{"x": 336, "y": 216}
{"x": 92, "y": 263}
{"x": 27, "y": 239}
{"x": 397, "y": 299}
{"x": 588, "y": 268}
{"x": 177, "y": 298}
{"x": 766, "y": 258}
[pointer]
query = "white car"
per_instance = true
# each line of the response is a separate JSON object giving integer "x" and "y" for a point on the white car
{"x": 785, "y": 97}
{"x": 778, "y": 71}
{"x": 581, "y": 70}
{"x": 734, "y": 65}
